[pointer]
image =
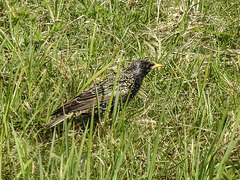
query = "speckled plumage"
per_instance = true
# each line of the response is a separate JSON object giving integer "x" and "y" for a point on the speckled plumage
{"x": 128, "y": 81}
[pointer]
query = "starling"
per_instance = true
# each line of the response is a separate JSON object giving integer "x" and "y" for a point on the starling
{"x": 127, "y": 85}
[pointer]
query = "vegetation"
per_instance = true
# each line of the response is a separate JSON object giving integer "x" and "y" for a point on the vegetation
{"x": 184, "y": 122}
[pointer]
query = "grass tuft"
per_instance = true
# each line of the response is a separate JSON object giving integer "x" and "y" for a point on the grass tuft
{"x": 184, "y": 122}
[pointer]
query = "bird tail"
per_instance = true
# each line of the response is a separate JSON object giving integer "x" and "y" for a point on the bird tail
{"x": 58, "y": 119}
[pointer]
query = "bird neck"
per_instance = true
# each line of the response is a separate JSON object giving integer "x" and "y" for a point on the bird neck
{"x": 136, "y": 86}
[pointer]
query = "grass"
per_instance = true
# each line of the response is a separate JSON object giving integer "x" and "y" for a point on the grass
{"x": 184, "y": 122}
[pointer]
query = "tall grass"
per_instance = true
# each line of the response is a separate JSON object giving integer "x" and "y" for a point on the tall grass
{"x": 184, "y": 122}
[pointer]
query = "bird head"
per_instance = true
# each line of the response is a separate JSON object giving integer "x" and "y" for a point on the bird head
{"x": 141, "y": 67}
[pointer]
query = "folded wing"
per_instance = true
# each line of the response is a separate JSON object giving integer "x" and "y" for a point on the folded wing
{"x": 87, "y": 99}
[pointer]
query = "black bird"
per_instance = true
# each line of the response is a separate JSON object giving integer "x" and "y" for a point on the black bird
{"x": 128, "y": 84}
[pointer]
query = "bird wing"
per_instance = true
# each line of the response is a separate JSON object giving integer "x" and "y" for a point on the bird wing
{"x": 101, "y": 91}
{"x": 86, "y": 100}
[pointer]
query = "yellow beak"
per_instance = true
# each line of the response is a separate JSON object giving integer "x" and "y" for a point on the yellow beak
{"x": 156, "y": 66}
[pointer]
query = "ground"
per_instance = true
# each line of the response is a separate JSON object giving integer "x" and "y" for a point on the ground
{"x": 184, "y": 122}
